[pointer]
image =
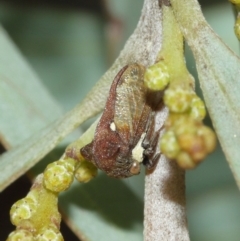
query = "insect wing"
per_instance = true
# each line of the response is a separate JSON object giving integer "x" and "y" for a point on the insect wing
{"x": 131, "y": 110}
{"x": 105, "y": 143}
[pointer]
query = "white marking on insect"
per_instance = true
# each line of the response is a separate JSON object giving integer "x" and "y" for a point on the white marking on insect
{"x": 113, "y": 126}
{"x": 137, "y": 152}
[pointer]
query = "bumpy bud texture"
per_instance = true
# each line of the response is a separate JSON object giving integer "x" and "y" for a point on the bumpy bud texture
{"x": 156, "y": 76}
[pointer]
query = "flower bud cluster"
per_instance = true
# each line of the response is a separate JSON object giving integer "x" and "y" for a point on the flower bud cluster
{"x": 186, "y": 140}
{"x": 36, "y": 216}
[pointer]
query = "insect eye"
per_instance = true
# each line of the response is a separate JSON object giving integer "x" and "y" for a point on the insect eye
{"x": 135, "y": 168}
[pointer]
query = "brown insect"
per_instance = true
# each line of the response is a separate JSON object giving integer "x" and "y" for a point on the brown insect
{"x": 124, "y": 137}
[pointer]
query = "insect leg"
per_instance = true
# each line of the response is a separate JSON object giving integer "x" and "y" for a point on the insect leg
{"x": 149, "y": 132}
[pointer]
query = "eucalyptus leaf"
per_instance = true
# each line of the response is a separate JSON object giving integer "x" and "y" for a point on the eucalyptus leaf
{"x": 25, "y": 104}
{"x": 28, "y": 108}
{"x": 105, "y": 209}
{"x": 218, "y": 70}
{"x": 210, "y": 210}
{"x": 18, "y": 160}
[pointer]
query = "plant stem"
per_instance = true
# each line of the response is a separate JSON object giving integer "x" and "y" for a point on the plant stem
{"x": 164, "y": 213}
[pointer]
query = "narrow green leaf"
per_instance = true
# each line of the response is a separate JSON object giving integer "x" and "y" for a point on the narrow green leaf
{"x": 25, "y": 105}
{"x": 219, "y": 74}
{"x": 26, "y": 109}
{"x": 105, "y": 209}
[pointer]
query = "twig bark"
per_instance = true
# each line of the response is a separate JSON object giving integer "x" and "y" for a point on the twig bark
{"x": 164, "y": 213}
{"x": 165, "y": 217}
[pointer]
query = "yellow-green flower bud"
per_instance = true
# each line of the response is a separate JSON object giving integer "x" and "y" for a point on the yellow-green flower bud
{"x": 169, "y": 145}
{"x": 58, "y": 176}
{"x": 189, "y": 140}
{"x": 198, "y": 111}
{"x": 235, "y": 1}
{"x": 237, "y": 28}
{"x": 49, "y": 234}
{"x": 85, "y": 172}
{"x": 185, "y": 161}
{"x": 209, "y": 138}
{"x": 22, "y": 209}
{"x": 178, "y": 100}
{"x": 20, "y": 235}
{"x": 185, "y": 125}
{"x": 186, "y": 140}
{"x": 194, "y": 146}
{"x": 68, "y": 163}
{"x": 156, "y": 76}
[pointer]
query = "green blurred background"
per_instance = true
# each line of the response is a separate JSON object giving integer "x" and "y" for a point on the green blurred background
{"x": 70, "y": 44}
